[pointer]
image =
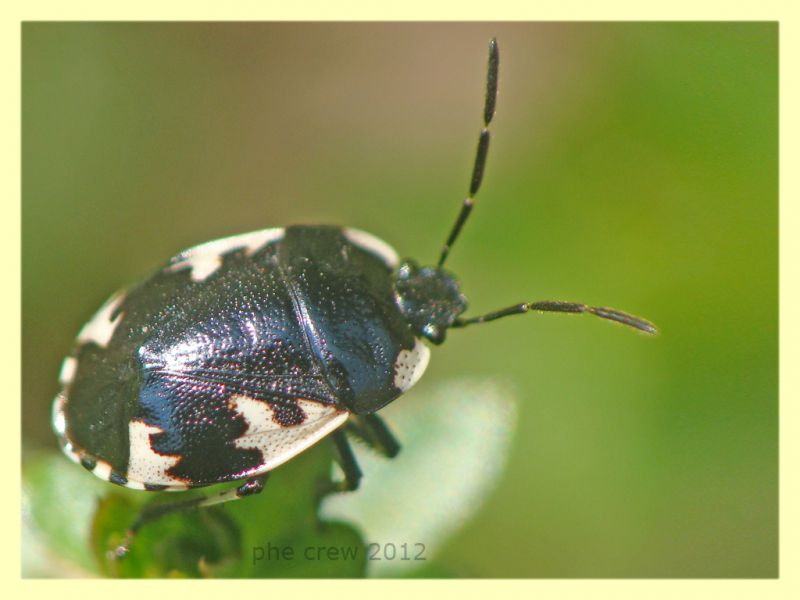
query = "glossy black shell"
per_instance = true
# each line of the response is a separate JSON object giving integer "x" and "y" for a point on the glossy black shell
{"x": 310, "y": 314}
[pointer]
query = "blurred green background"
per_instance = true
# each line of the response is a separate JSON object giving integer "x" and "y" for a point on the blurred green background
{"x": 633, "y": 165}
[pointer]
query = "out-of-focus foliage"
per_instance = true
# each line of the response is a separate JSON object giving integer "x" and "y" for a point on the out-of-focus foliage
{"x": 632, "y": 165}
{"x": 76, "y": 537}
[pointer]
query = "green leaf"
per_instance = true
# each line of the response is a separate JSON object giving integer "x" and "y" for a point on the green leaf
{"x": 81, "y": 520}
{"x": 184, "y": 544}
{"x": 58, "y": 504}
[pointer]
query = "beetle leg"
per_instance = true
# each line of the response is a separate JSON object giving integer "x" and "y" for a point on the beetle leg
{"x": 251, "y": 487}
{"x": 347, "y": 461}
{"x": 352, "y": 473}
{"x": 375, "y": 433}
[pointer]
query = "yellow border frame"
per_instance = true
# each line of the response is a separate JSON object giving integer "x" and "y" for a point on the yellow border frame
{"x": 626, "y": 10}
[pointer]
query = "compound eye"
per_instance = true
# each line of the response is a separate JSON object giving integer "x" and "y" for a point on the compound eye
{"x": 434, "y": 333}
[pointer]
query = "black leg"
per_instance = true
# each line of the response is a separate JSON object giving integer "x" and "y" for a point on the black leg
{"x": 374, "y": 431}
{"x": 352, "y": 474}
{"x": 251, "y": 487}
{"x": 347, "y": 461}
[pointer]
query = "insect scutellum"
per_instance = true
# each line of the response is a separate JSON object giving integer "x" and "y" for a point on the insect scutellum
{"x": 430, "y": 297}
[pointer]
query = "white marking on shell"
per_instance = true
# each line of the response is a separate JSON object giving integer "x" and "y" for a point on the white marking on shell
{"x": 134, "y": 485}
{"x": 101, "y": 327}
{"x": 410, "y": 365}
{"x": 276, "y": 443}
{"x": 102, "y": 469}
{"x": 373, "y": 245}
{"x": 206, "y": 258}
{"x": 59, "y": 426}
{"x": 58, "y": 419}
{"x": 68, "y": 368}
{"x": 69, "y": 450}
{"x": 145, "y": 465}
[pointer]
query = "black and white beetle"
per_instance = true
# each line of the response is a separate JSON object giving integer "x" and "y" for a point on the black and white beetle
{"x": 242, "y": 352}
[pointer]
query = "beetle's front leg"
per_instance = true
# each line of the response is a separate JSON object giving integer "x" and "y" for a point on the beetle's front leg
{"x": 347, "y": 461}
{"x": 375, "y": 433}
{"x": 352, "y": 474}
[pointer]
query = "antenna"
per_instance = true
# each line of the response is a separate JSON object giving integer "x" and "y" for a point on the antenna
{"x": 482, "y": 151}
{"x": 609, "y": 314}
{"x": 603, "y": 312}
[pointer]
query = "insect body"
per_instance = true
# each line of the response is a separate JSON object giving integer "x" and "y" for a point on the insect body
{"x": 236, "y": 356}
{"x": 240, "y": 353}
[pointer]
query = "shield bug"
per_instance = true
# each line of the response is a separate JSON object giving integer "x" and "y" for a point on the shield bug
{"x": 242, "y": 352}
